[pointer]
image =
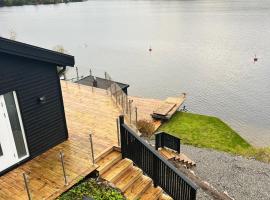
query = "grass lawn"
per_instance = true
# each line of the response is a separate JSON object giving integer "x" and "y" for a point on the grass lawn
{"x": 211, "y": 132}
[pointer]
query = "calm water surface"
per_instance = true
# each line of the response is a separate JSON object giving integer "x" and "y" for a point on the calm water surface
{"x": 202, "y": 47}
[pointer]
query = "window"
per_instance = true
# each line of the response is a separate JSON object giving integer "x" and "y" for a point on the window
{"x": 15, "y": 124}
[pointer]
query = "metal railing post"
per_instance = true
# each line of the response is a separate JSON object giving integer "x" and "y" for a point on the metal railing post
{"x": 77, "y": 73}
{"x": 136, "y": 117}
{"x": 117, "y": 125}
{"x": 122, "y": 101}
{"x": 126, "y": 104}
{"x": 105, "y": 75}
{"x": 129, "y": 106}
{"x": 63, "y": 167}
{"x": 92, "y": 148}
{"x": 25, "y": 178}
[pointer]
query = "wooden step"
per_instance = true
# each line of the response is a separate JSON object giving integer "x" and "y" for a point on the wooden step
{"x": 136, "y": 190}
{"x": 108, "y": 161}
{"x": 128, "y": 178}
{"x": 184, "y": 159}
{"x": 165, "y": 197}
{"x": 167, "y": 154}
{"x": 117, "y": 170}
{"x": 152, "y": 193}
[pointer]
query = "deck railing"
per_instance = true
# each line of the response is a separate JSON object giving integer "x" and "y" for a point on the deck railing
{"x": 166, "y": 140}
{"x": 163, "y": 173}
{"x": 121, "y": 99}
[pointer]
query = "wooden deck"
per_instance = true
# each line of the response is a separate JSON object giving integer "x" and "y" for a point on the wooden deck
{"x": 86, "y": 112}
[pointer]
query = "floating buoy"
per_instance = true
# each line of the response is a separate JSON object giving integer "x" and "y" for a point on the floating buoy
{"x": 255, "y": 58}
{"x": 150, "y": 49}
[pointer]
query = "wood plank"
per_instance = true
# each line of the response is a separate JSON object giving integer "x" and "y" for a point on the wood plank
{"x": 108, "y": 161}
{"x": 152, "y": 193}
{"x": 138, "y": 188}
{"x": 164, "y": 108}
{"x": 128, "y": 178}
{"x": 117, "y": 170}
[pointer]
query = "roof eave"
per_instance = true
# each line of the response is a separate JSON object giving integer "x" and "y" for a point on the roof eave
{"x": 36, "y": 53}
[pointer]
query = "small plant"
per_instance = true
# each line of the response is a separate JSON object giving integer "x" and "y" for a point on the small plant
{"x": 91, "y": 188}
{"x": 146, "y": 128}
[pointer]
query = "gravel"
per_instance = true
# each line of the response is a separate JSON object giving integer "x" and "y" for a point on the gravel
{"x": 241, "y": 178}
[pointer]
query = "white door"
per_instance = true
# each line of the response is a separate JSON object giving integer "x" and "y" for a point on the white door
{"x": 13, "y": 147}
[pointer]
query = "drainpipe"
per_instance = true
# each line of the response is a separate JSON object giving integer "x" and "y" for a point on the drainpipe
{"x": 62, "y": 72}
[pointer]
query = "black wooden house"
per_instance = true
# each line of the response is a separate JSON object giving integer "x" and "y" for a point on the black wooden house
{"x": 32, "y": 118}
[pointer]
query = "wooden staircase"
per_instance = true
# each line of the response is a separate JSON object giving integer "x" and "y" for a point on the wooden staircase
{"x": 127, "y": 177}
{"x": 181, "y": 158}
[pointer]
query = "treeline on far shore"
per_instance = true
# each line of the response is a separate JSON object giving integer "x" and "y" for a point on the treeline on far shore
{"x": 33, "y": 2}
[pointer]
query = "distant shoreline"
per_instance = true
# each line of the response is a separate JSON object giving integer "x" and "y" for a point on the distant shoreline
{"x": 9, "y": 3}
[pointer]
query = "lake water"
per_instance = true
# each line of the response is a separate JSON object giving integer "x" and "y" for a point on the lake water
{"x": 202, "y": 47}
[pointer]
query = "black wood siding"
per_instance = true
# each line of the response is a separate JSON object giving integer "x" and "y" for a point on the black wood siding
{"x": 44, "y": 124}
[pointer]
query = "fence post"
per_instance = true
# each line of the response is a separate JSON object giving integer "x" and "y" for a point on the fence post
{"x": 26, "y": 186}
{"x": 92, "y": 148}
{"x": 122, "y": 131}
{"x": 63, "y": 167}
{"x": 117, "y": 125}
{"x": 155, "y": 174}
{"x": 179, "y": 146}
{"x": 157, "y": 141}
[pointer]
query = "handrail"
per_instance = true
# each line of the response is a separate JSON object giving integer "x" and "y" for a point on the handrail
{"x": 164, "y": 139}
{"x": 171, "y": 166}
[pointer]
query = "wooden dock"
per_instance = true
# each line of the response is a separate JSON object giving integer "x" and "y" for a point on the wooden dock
{"x": 146, "y": 107}
{"x": 166, "y": 110}
{"x": 86, "y": 112}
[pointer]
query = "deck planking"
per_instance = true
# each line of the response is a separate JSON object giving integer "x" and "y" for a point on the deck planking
{"x": 86, "y": 112}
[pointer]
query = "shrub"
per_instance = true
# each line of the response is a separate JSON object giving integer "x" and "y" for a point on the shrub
{"x": 94, "y": 189}
{"x": 146, "y": 128}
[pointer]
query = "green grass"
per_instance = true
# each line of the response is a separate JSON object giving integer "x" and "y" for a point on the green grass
{"x": 94, "y": 189}
{"x": 205, "y": 131}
